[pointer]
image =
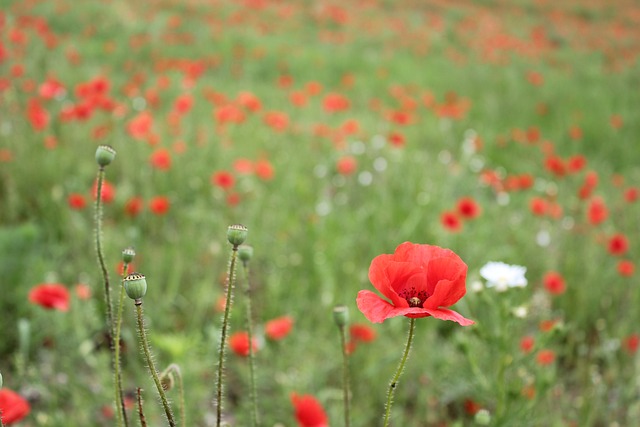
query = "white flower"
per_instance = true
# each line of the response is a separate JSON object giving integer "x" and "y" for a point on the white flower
{"x": 503, "y": 276}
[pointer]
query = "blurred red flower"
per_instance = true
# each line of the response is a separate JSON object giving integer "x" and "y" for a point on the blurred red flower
{"x": 554, "y": 283}
{"x": 243, "y": 166}
{"x": 239, "y": 343}
{"x": 223, "y": 179}
{"x": 264, "y": 170}
{"x": 468, "y": 208}
{"x": 13, "y": 407}
{"x": 451, "y": 221}
{"x": 134, "y": 206}
{"x": 597, "y": 211}
{"x": 346, "y": 165}
{"x": 161, "y": 159}
{"x": 527, "y": 343}
{"x": 276, "y": 120}
{"x": 362, "y": 333}
{"x": 631, "y": 343}
{"x": 249, "y": 101}
{"x": 308, "y": 411}
{"x": 626, "y": 268}
{"x": 631, "y": 194}
{"x": 183, "y": 104}
{"x": 419, "y": 280}
{"x": 334, "y": 102}
{"x": 159, "y": 205}
{"x": 278, "y": 328}
{"x": 50, "y": 296}
{"x": 76, "y": 201}
{"x": 108, "y": 191}
{"x": 545, "y": 357}
{"x": 618, "y": 244}
{"x": 396, "y": 139}
{"x": 37, "y": 115}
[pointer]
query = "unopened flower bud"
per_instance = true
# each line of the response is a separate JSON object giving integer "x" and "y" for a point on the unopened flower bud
{"x": 167, "y": 381}
{"x": 105, "y": 155}
{"x": 135, "y": 285}
{"x": 245, "y": 253}
{"x": 237, "y": 234}
{"x": 128, "y": 254}
{"x": 341, "y": 315}
{"x": 483, "y": 417}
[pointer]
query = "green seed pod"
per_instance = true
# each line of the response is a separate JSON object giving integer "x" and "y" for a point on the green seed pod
{"x": 135, "y": 285}
{"x": 245, "y": 253}
{"x": 341, "y": 315}
{"x": 128, "y": 254}
{"x": 237, "y": 234}
{"x": 483, "y": 417}
{"x": 105, "y": 155}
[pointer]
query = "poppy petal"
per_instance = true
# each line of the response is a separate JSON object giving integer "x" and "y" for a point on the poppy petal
{"x": 376, "y": 309}
{"x": 445, "y": 314}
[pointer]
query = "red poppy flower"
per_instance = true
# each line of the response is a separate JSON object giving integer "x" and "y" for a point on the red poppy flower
{"x": 631, "y": 343}
{"x": 134, "y": 206}
{"x": 362, "y": 333}
{"x": 279, "y": 327}
{"x": 264, "y": 169}
{"x": 545, "y": 357}
{"x": 76, "y": 201}
{"x": 626, "y": 268}
{"x": 631, "y": 194}
{"x": 618, "y": 244}
{"x": 308, "y": 411}
{"x": 37, "y": 115}
{"x": 597, "y": 211}
{"x": 243, "y": 166}
{"x": 223, "y": 179}
{"x": 13, "y": 407}
{"x": 526, "y": 343}
{"x": 346, "y": 165}
{"x": 161, "y": 159}
{"x": 239, "y": 343}
{"x": 335, "y": 102}
{"x": 159, "y": 205}
{"x": 50, "y": 296}
{"x": 108, "y": 192}
{"x": 419, "y": 280}
{"x": 468, "y": 208}
{"x": 451, "y": 221}
{"x": 554, "y": 283}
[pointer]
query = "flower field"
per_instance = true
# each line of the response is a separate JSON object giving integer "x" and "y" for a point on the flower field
{"x": 440, "y": 202}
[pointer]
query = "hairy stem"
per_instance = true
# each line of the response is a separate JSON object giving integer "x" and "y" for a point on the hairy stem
{"x": 116, "y": 340}
{"x": 152, "y": 368}
{"x": 252, "y": 366}
{"x": 345, "y": 376}
{"x": 143, "y": 420}
{"x": 394, "y": 381}
{"x": 223, "y": 334}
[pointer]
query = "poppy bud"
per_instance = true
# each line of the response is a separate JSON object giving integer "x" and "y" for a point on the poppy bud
{"x": 245, "y": 253}
{"x": 341, "y": 315}
{"x": 237, "y": 234}
{"x": 105, "y": 155}
{"x": 167, "y": 381}
{"x": 128, "y": 254}
{"x": 135, "y": 285}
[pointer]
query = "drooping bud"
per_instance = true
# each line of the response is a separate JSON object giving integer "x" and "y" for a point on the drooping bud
{"x": 341, "y": 315}
{"x": 128, "y": 254}
{"x": 237, "y": 234}
{"x": 245, "y": 253}
{"x": 105, "y": 155}
{"x": 167, "y": 381}
{"x": 135, "y": 285}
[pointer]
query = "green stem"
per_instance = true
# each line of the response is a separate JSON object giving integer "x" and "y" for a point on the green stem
{"x": 143, "y": 420}
{"x": 345, "y": 377}
{"x": 252, "y": 367}
{"x": 152, "y": 369}
{"x": 394, "y": 381}
{"x": 122, "y": 416}
{"x": 223, "y": 334}
{"x": 176, "y": 370}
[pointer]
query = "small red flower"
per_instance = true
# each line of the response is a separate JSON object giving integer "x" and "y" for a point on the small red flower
{"x": 50, "y": 296}
{"x": 554, "y": 283}
{"x": 545, "y": 357}
{"x": 334, "y": 102}
{"x": 419, "y": 280}
{"x": 362, "y": 333}
{"x": 264, "y": 170}
{"x": 239, "y": 343}
{"x": 631, "y": 194}
{"x": 161, "y": 159}
{"x": 451, "y": 221}
{"x": 83, "y": 291}
{"x": 76, "y": 201}
{"x": 243, "y": 166}
{"x": 527, "y": 343}
{"x": 626, "y": 268}
{"x": 308, "y": 411}
{"x": 278, "y": 328}
{"x": 618, "y": 244}
{"x": 346, "y": 165}
{"x": 468, "y": 208}
{"x": 134, "y": 206}
{"x": 597, "y": 211}
{"x": 471, "y": 407}
{"x": 159, "y": 205}
{"x": 13, "y": 407}
{"x": 631, "y": 343}
{"x": 108, "y": 191}
{"x": 223, "y": 179}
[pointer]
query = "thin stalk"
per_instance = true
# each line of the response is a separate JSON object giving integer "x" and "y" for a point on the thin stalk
{"x": 252, "y": 366}
{"x": 173, "y": 368}
{"x": 223, "y": 334}
{"x": 345, "y": 376}
{"x": 394, "y": 381}
{"x": 143, "y": 420}
{"x": 152, "y": 368}
{"x": 122, "y": 416}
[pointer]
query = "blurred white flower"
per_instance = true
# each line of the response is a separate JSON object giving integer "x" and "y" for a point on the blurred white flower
{"x": 503, "y": 276}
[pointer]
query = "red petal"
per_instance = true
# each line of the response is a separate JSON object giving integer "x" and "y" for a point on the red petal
{"x": 446, "y": 281}
{"x": 444, "y": 314}
{"x": 377, "y": 310}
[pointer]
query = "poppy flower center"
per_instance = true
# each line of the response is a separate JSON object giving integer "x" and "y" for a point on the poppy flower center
{"x": 414, "y": 297}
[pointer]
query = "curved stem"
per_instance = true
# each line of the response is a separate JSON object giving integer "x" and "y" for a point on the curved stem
{"x": 152, "y": 369}
{"x": 223, "y": 334}
{"x": 345, "y": 377}
{"x": 394, "y": 381}
{"x": 252, "y": 367}
{"x": 174, "y": 368}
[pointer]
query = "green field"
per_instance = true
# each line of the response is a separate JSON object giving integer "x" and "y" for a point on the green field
{"x": 335, "y": 131}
